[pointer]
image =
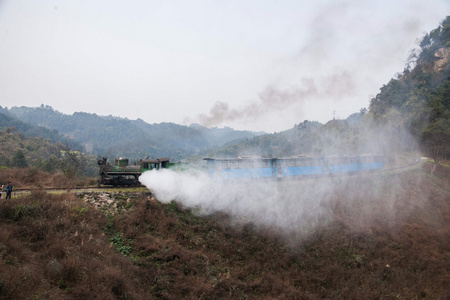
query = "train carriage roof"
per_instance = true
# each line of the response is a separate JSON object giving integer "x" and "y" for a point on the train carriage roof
{"x": 155, "y": 161}
{"x": 294, "y": 157}
{"x": 300, "y": 157}
{"x": 239, "y": 158}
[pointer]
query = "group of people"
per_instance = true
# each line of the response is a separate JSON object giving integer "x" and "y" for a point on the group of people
{"x": 8, "y": 189}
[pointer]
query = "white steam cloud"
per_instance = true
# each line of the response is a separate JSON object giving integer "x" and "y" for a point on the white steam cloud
{"x": 288, "y": 206}
{"x": 293, "y": 207}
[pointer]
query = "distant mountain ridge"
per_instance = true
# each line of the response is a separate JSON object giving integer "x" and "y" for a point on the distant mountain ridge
{"x": 115, "y": 136}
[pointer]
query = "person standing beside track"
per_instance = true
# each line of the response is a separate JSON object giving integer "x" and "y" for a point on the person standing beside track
{"x": 1, "y": 191}
{"x": 9, "y": 189}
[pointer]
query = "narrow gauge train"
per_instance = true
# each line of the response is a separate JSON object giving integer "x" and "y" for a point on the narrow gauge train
{"x": 291, "y": 167}
{"x": 122, "y": 173}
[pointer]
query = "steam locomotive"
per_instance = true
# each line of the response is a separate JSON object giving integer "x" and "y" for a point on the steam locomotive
{"x": 291, "y": 167}
{"x": 122, "y": 173}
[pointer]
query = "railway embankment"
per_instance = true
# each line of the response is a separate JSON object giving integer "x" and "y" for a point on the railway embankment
{"x": 111, "y": 202}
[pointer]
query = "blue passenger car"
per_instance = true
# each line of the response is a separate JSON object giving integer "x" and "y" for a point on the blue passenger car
{"x": 370, "y": 162}
{"x": 240, "y": 167}
{"x": 291, "y": 167}
{"x": 301, "y": 166}
{"x": 343, "y": 164}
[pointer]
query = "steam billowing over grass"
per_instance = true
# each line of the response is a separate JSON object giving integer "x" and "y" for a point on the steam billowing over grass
{"x": 365, "y": 238}
{"x": 298, "y": 207}
{"x": 291, "y": 207}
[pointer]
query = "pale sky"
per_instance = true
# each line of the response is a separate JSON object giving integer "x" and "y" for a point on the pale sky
{"x": 250, "y": 65}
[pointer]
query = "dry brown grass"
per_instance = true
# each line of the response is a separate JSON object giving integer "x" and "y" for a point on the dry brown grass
{"x": 30, "y": 178}
{"x": 384, "y": 242}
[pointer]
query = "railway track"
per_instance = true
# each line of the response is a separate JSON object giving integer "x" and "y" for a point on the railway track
{"x": 85, "y": 188}
{"x": 411, "y": 165}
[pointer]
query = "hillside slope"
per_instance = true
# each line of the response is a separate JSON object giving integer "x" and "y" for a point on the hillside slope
{"x": 29, "y": 130}
{"x": 419, "y": 99}
{"x": 16, "y": 150}
{"x": 384, "y": 240}
{"x": 135, "y": 139}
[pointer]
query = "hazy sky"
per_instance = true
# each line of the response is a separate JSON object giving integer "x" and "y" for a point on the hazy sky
{"x": 256, "y": 65}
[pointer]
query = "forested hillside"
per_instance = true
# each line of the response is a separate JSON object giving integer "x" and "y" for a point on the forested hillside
{"x": 20, "y": 151}
{"x": 352, "y": 136}
{"x": 30, "y": 130}
{"x": 135, "y": 139}
{"x": 419, "y": 99}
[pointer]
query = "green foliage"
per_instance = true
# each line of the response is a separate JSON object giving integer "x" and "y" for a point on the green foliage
{"x": 71, "y": 163}
{"x": 17, "y": 150}
{"x": 49, "y": 164}
{"x": 436, "y": 138}
{"x": 19, "y": 160}
{"x": 421, "y": 96}
{"x": 79, "y": 211}
{"x": 122, "y": 246}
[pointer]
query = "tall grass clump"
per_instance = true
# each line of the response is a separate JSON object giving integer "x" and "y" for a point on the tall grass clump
{"x": 53, "y": 247}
